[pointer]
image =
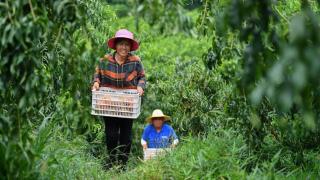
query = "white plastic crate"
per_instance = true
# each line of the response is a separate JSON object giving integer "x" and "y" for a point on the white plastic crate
{"x": 151, "y": 153}
{"x": 116, "y": 103}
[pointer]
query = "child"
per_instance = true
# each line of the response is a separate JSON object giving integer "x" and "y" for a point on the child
{"x": 158, "y": 134}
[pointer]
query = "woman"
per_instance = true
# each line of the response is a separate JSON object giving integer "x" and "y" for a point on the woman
{"x": 158, "y": 134}
{"x": 123, "y": 70}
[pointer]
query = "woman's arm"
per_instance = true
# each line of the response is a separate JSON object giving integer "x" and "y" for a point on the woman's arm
{"x": 97, "y": 78}
{"x": 141, "y": 78}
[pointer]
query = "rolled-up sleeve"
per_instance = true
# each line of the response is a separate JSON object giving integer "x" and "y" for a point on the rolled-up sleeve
{"x": 143, "y": 142}
{"x": 174, "y": 137}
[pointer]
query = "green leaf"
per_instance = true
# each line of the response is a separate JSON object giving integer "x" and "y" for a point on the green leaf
{"x": 297, "y": 28}
{"x": 309, "y": 121}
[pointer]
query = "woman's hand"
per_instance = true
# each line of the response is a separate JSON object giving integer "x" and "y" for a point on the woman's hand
{"x": 95, "y": 86}
{"x": 140, "y": 90}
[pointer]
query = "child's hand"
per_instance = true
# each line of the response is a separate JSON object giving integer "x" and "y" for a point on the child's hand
{"x": 144, "y": 146}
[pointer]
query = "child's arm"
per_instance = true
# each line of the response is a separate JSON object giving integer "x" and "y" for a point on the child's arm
{"x": 144, "y": 144}
{"x": 144, "y": 138}
{"x": 175, "y": 139}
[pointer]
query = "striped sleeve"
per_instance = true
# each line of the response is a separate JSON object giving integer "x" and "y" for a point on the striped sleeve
{"x": 97, "y": 74}
{"x": 141, "y": 75}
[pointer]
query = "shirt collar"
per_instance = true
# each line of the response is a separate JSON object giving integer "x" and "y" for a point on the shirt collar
{"x": 156, "y": 129}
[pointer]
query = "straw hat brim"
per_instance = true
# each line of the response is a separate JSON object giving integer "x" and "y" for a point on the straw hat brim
{"x": 166, "y": 118}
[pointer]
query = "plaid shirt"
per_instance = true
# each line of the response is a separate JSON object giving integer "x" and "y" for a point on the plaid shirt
{"x": 129, "y": 75}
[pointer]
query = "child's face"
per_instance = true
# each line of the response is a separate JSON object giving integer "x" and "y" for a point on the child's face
{"x": 157, "y": 122}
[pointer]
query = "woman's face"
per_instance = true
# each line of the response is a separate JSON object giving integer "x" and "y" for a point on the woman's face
{"x": 123, "y": 47}
{"x": 157, "y": 122}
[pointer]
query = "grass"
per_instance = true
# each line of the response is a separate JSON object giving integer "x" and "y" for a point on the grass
{"x": 222, "y": 154}
{"x": 196, "y": 158}
{"x": 69, "y": 159}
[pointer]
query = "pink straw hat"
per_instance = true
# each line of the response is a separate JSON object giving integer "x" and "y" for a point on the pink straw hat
{"x": 123, "y": 33}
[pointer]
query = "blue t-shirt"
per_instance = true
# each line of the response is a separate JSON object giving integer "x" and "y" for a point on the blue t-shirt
{"x": 162, "y": 139}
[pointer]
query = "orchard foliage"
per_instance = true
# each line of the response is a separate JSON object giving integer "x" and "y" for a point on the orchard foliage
{"x": 28, "y": 26}
{"x": 167, "y": 16}
{"x": 41, "y": 59}
{"x": 239, "y": 79}
{"x": 278, "y": 63}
